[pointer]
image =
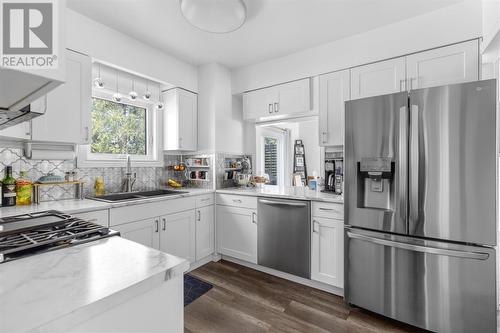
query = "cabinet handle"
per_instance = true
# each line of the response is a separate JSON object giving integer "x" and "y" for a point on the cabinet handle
{"x": 329, "y": 209}
{"x": 411, "y": 82}
{"x": 276, "y": 107}
{"x": 180, "y": 142}
{"x": 237, "y": 200}
{"x": 157, "y": 226}
{"x": 324, "y": 137}
{"x": 87, "y": 137}
{"x": 254, "y": 218}
{"x": 206, "y": 199}
{"x": 315, "y": 223}
{"x": 270, "y": 108}
{"x": 401, "y": 84}
{"x": 164, "y": 224}
{"x": 199, "y": 215}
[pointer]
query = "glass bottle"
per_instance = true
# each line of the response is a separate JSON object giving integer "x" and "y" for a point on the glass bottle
{"x": 8, "y": 188}
{"x": 24, "y": 188}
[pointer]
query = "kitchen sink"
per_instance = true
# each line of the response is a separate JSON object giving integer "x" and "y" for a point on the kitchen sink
{"x": 135, "y": 195}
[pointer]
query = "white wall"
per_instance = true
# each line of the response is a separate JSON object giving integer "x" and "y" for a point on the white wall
{"x": 220, "y": 115}
{"x": 444, "y": 26}
{"x": 491, "y": 20}
{"x": 109, "y": 45}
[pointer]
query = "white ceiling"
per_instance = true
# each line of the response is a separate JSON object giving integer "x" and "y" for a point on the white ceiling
{"x": 274, "y": 28}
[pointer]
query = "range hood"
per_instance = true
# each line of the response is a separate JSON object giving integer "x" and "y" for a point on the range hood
{"x": 18, "y": 92}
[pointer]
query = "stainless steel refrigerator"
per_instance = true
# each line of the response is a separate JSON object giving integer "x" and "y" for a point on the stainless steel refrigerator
{"x": 420, "y": 206}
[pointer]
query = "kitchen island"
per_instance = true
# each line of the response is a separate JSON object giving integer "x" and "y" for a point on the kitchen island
{"x": 110, "y": 285}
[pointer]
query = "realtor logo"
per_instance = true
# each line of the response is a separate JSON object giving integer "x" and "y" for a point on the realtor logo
{"x": 28, "y": 34}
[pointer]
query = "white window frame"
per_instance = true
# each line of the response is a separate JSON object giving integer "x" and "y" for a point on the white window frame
{"x": 282, "y": 136}
{"x": 153, "y": 131}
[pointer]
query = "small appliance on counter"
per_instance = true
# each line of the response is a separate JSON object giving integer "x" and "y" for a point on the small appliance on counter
{"x": 334, "y": 172}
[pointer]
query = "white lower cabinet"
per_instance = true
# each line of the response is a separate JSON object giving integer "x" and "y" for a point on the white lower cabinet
{"x": 327, "y": 252}
{"x": 177, "y": 235}
{"x": 205, "y": 236}
{"x": 237, "y": 232}
{"x": 100, "y": 217}
{"x": 175, "y": 226}
{"x": 145, "y": 232}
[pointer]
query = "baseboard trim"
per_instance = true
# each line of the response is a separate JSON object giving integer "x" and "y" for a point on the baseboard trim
{"x": 310, "y": 283}
{"x": 201, "y": 262}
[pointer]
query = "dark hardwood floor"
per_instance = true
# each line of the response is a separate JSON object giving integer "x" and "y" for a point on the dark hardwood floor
{"x": 246, "y": 300}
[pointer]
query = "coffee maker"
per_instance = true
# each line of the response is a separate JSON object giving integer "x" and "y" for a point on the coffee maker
{"x": 334, "y": 172}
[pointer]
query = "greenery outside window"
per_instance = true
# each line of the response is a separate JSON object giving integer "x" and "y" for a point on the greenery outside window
{"x": 120, "y": 129}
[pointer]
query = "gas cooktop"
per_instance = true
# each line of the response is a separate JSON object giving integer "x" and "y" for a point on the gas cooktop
{"x": 29, "y": 234}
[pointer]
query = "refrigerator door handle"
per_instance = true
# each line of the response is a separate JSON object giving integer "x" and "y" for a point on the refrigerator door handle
{"x": 414, "y": 167}
{"x": 420, "y": 248}
{"x": 403, "y": 165}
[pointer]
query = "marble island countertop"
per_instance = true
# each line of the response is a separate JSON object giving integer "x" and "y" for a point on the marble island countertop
{"x": 299, "y": 193}
{"x": 76, "y": 283}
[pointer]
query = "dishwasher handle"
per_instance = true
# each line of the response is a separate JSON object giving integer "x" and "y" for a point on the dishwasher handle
{"x": 282, "y": 203}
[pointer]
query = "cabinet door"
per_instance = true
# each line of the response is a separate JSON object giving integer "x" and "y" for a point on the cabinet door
{"x": 67, "y": 118}
{"x": 446, "y": 65}
{"x": 188, "y": 120}
{"x": 237, "y": 233}
{"x": 20, "y": 131}
{"x": 177, "y": 235}
{"x": 334, "y": 91}
{"x": 205, "y": 238}
{"x": 259, "y": 103}
{"x": 327, "y": 253}
{"x": 293, "y": 97}
{"x": 145, "y": 232}
{"x": 380, "y": 78}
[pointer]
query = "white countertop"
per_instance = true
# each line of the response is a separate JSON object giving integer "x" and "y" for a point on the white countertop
{"x": 299, "y": 193}
{"x": 74, "y": 206}
{"x": 77, "y": 281}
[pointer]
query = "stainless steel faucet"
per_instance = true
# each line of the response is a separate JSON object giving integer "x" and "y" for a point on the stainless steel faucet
{"x": 129, "y": 180}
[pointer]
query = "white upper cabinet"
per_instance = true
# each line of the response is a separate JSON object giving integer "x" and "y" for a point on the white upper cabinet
{"x": 446, "y": 65}
{"x": 180, "y": 130}
{"x": 20, "y": 131}
{"x": 283, "y": 100}
{"x": 380, "y": 78}
{"x": 67, "y": 118}
{"x": 334, "y": 91}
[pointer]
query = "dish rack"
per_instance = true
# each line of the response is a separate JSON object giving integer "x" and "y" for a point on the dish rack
{"x": 77, "y": 184}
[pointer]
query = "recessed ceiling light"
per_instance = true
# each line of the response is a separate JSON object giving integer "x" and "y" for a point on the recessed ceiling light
{"x": 217, "y": 16}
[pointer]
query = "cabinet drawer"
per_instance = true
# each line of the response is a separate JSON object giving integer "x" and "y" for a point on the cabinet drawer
{"x": 99, "y": 217}
{"x": 237, "y": 201}
{"x": 205, "y": 200}
{"x": 328, "y": 210}
{"x": 138, "y": 212}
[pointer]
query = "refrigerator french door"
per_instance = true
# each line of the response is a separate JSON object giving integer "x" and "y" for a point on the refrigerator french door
{"x": 420, "y": 206}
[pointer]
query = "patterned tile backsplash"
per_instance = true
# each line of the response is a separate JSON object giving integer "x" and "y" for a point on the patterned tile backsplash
{"x": 147, "y": 177}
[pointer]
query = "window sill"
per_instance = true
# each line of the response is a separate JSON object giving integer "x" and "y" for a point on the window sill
{"x": 83, "y": 162}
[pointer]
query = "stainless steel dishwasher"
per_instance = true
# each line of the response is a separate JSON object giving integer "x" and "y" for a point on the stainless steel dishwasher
{"x": 284, "y": 236}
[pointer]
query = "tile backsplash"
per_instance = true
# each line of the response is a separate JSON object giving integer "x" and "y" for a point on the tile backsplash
{"x": 147, "y": 177}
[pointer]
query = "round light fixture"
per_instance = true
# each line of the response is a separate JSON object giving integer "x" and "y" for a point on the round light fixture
{"x": 217, "y": 16}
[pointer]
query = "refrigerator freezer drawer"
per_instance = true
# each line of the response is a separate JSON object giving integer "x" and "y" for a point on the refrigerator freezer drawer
{"x": 438, "y": 286}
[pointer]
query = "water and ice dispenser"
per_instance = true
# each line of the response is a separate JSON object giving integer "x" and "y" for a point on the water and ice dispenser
{"x": 375, "y": 182}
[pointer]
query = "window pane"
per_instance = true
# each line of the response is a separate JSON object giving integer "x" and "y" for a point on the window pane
{"x": 118, "y": 128}
{"x": 271, "y": 159}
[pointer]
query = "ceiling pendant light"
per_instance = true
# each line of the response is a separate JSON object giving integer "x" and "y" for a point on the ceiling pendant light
{"x": 133, "y": 93}
{"x": 147, "y": 93}
{"x": 98, "y": 82}
{"x": 160, "y": 104}
{"x": 217, "y": 16}
{"x": 117, "y": 96}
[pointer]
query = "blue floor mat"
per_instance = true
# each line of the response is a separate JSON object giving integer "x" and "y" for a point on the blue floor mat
{"x": 194, "y": 288}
